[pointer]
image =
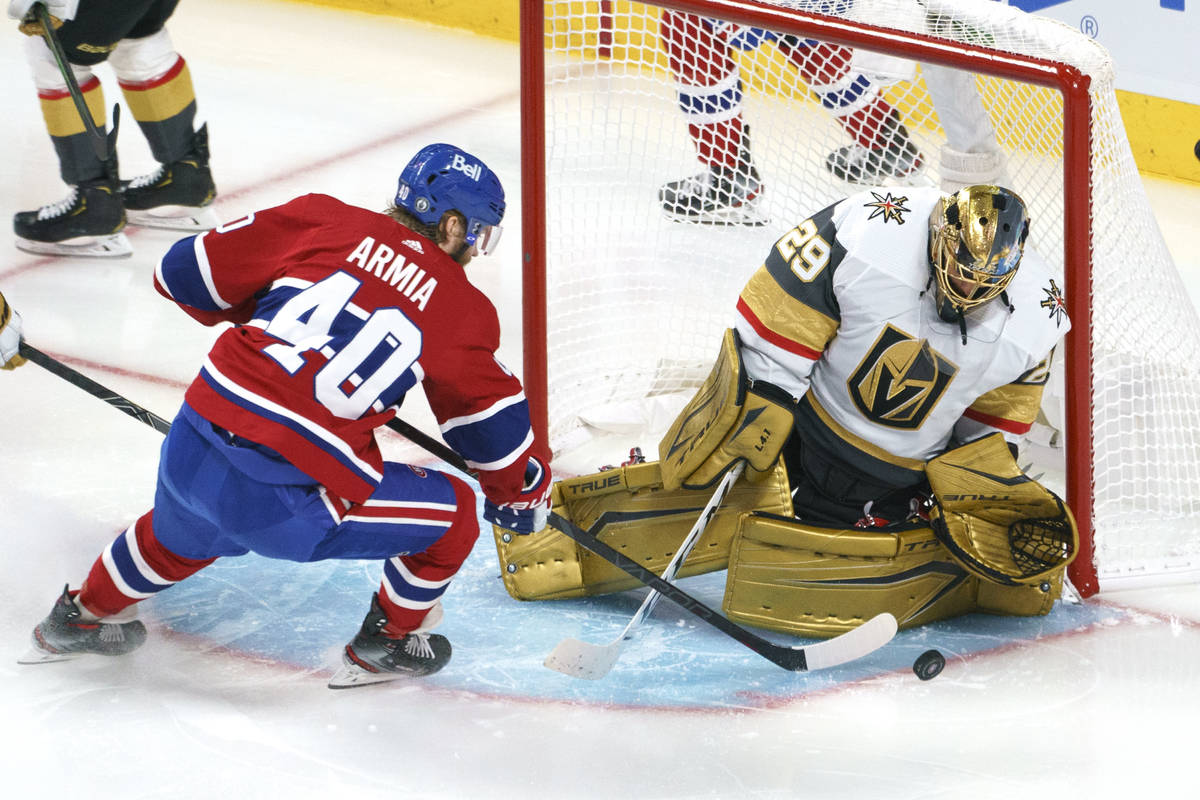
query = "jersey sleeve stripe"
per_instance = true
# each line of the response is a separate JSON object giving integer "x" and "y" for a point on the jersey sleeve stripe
{"x": 1017, "y": 402}
{"x": 492, "y": 410}
{"x": 771, "y": 337}
{"x": 999, "y": 423}
{"x": 507, "y": 460}
{"x": 184, "y": 275}
{"x": 206, "y": 272}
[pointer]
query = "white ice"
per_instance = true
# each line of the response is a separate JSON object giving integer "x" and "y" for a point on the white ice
{"x": 228, "y": 697}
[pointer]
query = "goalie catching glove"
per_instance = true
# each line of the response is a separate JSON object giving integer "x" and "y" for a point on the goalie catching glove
{"x": 530, "y": 511}
{"x": 10, "y": 336}
{"x": 995, "y": 520}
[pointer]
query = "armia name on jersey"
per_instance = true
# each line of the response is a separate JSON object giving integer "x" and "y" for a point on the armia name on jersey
{"x": 385, "y": 263}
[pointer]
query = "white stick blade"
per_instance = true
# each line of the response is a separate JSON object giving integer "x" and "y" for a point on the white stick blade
{"x": 582, "y": 660}
{"x": 863, "y": 640}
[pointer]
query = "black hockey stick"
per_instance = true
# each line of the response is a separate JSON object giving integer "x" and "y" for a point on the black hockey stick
{"x": 105, "y": 147}
{"x": 856, "y": 643}
{"x": 76, "y": 378}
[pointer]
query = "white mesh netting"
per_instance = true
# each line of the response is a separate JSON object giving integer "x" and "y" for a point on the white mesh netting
{"x": 637, "y": 96}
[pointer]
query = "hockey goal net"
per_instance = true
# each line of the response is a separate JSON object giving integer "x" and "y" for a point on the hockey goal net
{"x": 624, "y": 306}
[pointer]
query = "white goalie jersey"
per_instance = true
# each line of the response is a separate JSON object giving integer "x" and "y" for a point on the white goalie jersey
{"x": 843, "y": 316}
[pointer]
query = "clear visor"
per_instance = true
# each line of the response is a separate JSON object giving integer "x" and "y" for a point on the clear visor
{"x": 483, "y": 238}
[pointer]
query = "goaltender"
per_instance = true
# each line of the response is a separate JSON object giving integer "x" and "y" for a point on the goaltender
{"x": 879, "y": 377}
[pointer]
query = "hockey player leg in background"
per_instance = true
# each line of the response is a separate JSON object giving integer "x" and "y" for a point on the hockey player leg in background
{"x": 710, "y": 93}
{"x": 274, "y": 449}
{"x": 709, "y": 90}
{"x": 158, "y": 89}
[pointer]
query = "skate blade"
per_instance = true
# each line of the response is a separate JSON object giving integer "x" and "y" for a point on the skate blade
{"x": 112, "y": 246}
{"x": 350, "y": 676}
{"x": 174, "y": 218}
{"x": 36, "y": 655}
{"x": 729, "y": 217}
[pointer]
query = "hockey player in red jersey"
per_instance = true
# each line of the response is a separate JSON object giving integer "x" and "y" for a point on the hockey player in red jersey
{"x": 338, "y": 312}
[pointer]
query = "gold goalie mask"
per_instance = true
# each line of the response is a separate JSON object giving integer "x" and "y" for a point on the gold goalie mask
{"x": 976, "y": 240}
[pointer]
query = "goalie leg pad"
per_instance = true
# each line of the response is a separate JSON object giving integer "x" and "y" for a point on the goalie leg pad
{"x": 807, "y": 580}
{"x": 791, "y": 576}
{"x": 728, "y": 420}
{"x": 630, "y": 510}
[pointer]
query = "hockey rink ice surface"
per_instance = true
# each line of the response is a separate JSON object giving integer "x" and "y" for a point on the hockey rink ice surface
{"x": 228, "y": 699}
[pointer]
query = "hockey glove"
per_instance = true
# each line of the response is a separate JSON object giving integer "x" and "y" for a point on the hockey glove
{"x": 10, "y": 336}
{"x": 60, "y": 11}
{"x": 530, "y": 511}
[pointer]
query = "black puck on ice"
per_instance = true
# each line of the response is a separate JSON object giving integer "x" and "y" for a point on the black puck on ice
{"x": 929, "y": 665}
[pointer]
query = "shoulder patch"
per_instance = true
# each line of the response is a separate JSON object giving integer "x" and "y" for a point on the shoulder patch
{"x": 888, "y": 207}
{"x": 1054, "y": 302}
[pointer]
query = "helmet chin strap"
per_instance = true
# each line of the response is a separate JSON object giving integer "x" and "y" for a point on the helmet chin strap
{"x": 947, "y": 310}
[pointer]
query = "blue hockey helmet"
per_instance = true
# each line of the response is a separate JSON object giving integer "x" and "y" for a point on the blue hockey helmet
{"x": 441, "y": 178}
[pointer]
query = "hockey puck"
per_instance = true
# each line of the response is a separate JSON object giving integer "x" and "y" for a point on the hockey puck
{"x": 929, "y": 665}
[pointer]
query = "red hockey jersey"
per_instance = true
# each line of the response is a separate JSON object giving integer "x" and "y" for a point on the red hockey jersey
{"x": 339, "y": 311}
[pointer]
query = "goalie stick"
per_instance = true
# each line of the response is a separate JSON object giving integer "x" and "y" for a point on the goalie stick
{"x": 863, "y": 640}
{"x": 593, "y": 661}
{"x": 856, "y": 643}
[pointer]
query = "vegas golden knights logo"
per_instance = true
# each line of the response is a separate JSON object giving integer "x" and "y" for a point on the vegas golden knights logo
{"x": 900, "y": 380}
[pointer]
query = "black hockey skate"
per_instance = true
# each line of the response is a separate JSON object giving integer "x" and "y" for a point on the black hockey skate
{"x": 899, "y": 158}
{"x": 88, "y": 222}
{"x": 176, "y": 196}
{"x": 718, "y": 196}
{"x": 373, "y": 658}
{"x": 65, "y": 634}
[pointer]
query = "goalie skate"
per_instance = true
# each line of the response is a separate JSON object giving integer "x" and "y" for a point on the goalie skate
{"x": 65, "y": 634}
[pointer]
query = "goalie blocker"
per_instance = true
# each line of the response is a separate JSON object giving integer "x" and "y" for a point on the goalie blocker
{"x": 997, "y": 541}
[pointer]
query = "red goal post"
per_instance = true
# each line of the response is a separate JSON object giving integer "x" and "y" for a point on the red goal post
{"x": 581, "y": 39}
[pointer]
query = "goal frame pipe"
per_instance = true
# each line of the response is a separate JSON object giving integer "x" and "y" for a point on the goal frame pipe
{"x": 1071, "y": 82}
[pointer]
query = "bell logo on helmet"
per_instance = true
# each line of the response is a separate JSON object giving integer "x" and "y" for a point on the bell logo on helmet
{"x": 474, "y": 170}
